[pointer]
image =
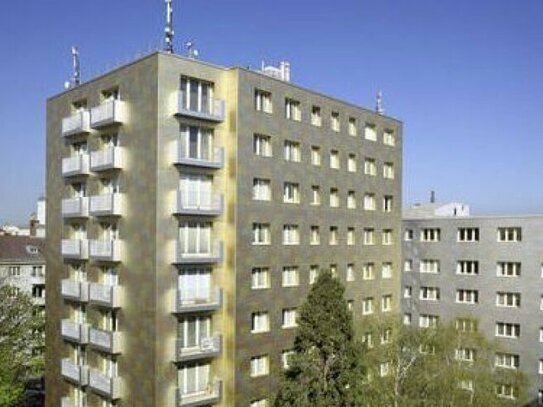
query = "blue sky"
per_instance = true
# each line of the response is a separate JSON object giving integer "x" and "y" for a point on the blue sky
{"x": 465, "y": 77}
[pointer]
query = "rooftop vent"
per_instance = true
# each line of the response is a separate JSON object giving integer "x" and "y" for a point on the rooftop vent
{"x": 282, "y": 72}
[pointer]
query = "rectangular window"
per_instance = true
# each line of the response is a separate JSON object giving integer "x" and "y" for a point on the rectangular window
{"x": 351, "y": 200}
{"x": 369, "y": 202}
{"x": 350, "y": 274}
{"x": 197, "y": 143}
{"x": 291, "y": 192}
{"x": 507, "y": 299}
{"x": 261, "y": 189}
{"x": 386, "y": 303}
{"x": 367, "y": 306}
{"x": 407, "y": 291}
{"x": 333, "y": 270}
{"x": 285, "y": 355}
{"x": 407, "y": 318}
{"x": 468, "y": 234}
{"x": 370, "y": 132}
{"x": 428, "y": 321}
{"x": 290, "y": 276}
{"x": 429, "y": 293}
{"x": 261, "y": 233}
{"x": 316, "y": 155}
{"x": 466, "y": 325}
{"x": 509, "y": 234}
{"x": 508, "y": 269}
{"x": 430, "y": 235}
{"x": 369, "y": 236}
{"x": 314, "y": 236}
{"x": 351, "y": 239}
{"x": 389, "y": 138}
{"x": 408, "y": 235}
{"x": 429, "y": 266}
{"x": 262, "y": 145}
{"x": 259, "y": 403}
{"x": 387, "y": 237}
{"x": 351, "y": 163}
{"x": 467, "y": 267}
{"x": 316, "y": 117}
{"x": 263, "y": 101}
{"x": 388, "y": 170}
{"x": 334, "y": 198}
{"x": 293, "y": 110}
{"x": 408, "y": 265}
{"x": 314, "y": 270}
{"x": 260, "y": 278}
{"x": 291, "y": 235}
{"x": 334, "y": 122}
{"x": 352, "y": 127}
{"x": 370, "y": 168}
{"x": 388, "y": 203}
{"x": 260, "y": 366}
{"x": 194, "y": 237}
{"x": 292, "y": 151}
{"x": 506, "y": 360}
{"x": 507, "y": 391}
{"x": 260, "y": 322}
{"x": 464, "y": 296}
{"x": 368, "y": 271}
{"x": 333, "y": 239}
{"x": 289, "y": 318}
{"x": 315, "y": 195}
{"x": 464, "y": 354}
{"x": 196, "y": 95}
{"x": 334, "y": 159}
{"x": 386, "y": 270}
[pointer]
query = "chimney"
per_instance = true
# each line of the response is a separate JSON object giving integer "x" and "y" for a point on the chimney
{"x": 34, "y": 222}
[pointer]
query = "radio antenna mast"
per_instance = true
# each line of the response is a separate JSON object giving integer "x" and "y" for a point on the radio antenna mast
{"x": 168, "y": 31}
{"x": 76, "y": 76}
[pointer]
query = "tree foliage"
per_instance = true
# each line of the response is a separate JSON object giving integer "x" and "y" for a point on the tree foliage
{"x": 21, "y": 343}
{"x": 325, "y": 366}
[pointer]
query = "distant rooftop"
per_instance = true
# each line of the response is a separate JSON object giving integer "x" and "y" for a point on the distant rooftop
{"x": 21, "y": 249}
{"x": 432, "y": 210}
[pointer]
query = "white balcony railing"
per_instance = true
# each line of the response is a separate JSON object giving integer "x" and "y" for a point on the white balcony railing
{"x": 193, "y": 203}
{"x": 214, "y": 159}
{"x": 106, "y": 341}
{"x": 77, "y": 164}
{"x": 213, "y": 110}
{"x": 105, "y": 250}
{"x": 215, "y": 255}
{"x": 75, "y": 249}
{"x": 74, "y": 331}
{"x": 100, "y": 383}
{"x": 106, "y": 205}
{"x": 76, "y": 123}
{"x": 66, "y": 401}
{"x": 105, "y": 295}
{"x": 108, "y": 112}
{"x": 203, "y": 303}
{"x": 208, "y": 347}
{"x": 208, "y": 395}
{"x": 75, "y": 290}
{"x": 40, "y": 301}
{"x": 75, "y": 207}
{"x": 106, "y": 159}
{"x": 72, "y": 371}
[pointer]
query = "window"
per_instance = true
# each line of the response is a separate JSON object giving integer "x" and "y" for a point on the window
{"x": 508, "y": 269}
{"x": 367, "y": 306}
{"x": 506, "y": 360}
{"x": 384, "y": 369}
{"x": 407, "y": 291}
{"x": 370, "y": 168}
{"x": 407, "y": 318}
{"x": 428, "y": 321}
{"x": 316, "y": 118}
{"x": 263, "y": 101}
{"x": 464, "y": 296}
{"x": 260, "y": 278}
{"x": 350, "y": 305}
{"x": 316, "y": 155}
{"x": 389, "y": 139}
{"x": 408, "y": 235}
{"x": 507, "y": 391}
{"x": 369, "y": 132}
{"x": 195, "y": 237}
{"x": 37, "y": 271}
{"x": 196, "y": 95}
{"x": 506, "y": 299}
{"x": 14, "y": 271}
{"x": 429, "y": 293}
{"x": 290, "y": 276}
{"x": 408, "y": 265}
{"x": 291, "y": 192}
{"x": 285, "y": 355}
{"x": 333, "y": 270}
{"x": 260, "y": 365}
{"x": 351, "y": 239}
{"x": 540, "y": 369}
{"x": 368, "y": 271}
{"x": 509, "y": 234}
{"x": 386, "y": 303}
{"x": 293, "y": 110}
{"x": 260, "y": 322}
{"x": 292, "y": 151}
{"x": 334, "y": 159}
{"x": 367, "y": 339}
{"x": 333, "y": 239}
{"x": 262, "y": 145}
{"x": 352, "y": 127}
{"x": 388, "y": 170}
{"x": 261, "y": 189}
{"x": 541, "y": 334}
{"x": 386, "y": 270}
{"x": 464, "y": 354}
{"x": 350, "y": 275}
{"x": 315, "y": 195}
{"x": 291, "y": 235}
{"x": 507, "y": 330}
{"x": 466, "y": 325}
{"x": 334, "y": 122}
{"x": 467, "y": 267}
{"x": 369, "y": 236}
{"x": 351, "y": 200}
{"x": 314, "y": 236}
{"x": 387, "y": 203}
{"x": 351, "y": 163}
{"x": 430, "y": 235}
{"x": 261, "y": 233}
{"x": 369, "y": 202}
{"x": 334, "y": 198}
{"x": 197, "y": 143}
{"x": 387, "y": 237}
{"x": 468, "y": 234}
{"x": 289, "y": 318}
{"x": 313, "y": 273}
{"x": 259, "y": 403}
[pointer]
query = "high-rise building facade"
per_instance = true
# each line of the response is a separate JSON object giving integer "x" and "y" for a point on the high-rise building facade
{"x": 483, "y": 270}
{"x": 190, "y": 207}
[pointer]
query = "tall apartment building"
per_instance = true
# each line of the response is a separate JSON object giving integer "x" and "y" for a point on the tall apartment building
{"x": 190, "y": 206}
{"x": 459, "y": 268}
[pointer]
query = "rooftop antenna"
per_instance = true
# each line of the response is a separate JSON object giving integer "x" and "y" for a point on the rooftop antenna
{"x": 432, "y": 196}
{"x": 191, "y": 50}
{"x": 168, "y": 31}
{"x": 76, "y": 77}
{"x": 379, "y": 103}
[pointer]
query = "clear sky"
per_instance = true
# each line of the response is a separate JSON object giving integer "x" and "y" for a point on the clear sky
{"x": 465, "y": 76}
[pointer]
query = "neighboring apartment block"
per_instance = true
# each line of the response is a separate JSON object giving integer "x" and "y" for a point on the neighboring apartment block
{"x": 458, "y": 268}
{"x": 189, "y": 209}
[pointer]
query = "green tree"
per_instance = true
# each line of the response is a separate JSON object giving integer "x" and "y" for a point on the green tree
{"x": 21, "y": 343}
{"x": 440, "y": 366}
{"x": 325, "y": 365}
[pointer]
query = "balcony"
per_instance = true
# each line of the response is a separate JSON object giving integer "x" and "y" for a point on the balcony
{"x": 106, "y": 205}
{"x": 202, "y": 304}
{"x": 210, "y": 395}
{"x": 75, "y": 249}
{"x": 105, "y": 295}
{"x": 106, "y": 341}
{"x": 214, "y": 256}
{"x": 213, "y": 111}
{"x": 203, "y": 204}
{"x": 75, "y": 207}
{"x": 111, "y": 387}
{"x": 107, "y": 159}
{"x": 39, "y": 301}
{"x": 105, "y": 250}
{"x": 75, "y": 165}
{"x": 66, "y": 402}
{"x": 74, "y": 290}
{"x": 74, "y": 372}
{"x": 208, "y": 348}
{"x": 74, "y": 331}
{"x": 107, "y": 113}
{"x": 77, "y": 123}
{"x": 214, "y": 160}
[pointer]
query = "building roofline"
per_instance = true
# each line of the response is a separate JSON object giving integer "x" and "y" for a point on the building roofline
{"x": 474, "y": 217}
